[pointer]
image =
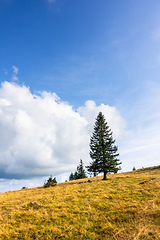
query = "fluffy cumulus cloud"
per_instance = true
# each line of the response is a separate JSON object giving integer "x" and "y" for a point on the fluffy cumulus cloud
{"x": 115, "y": 121}
{"x": 42, "y": 135}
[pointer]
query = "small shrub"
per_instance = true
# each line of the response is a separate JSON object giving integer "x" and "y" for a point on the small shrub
{"x": 51, "y": 182}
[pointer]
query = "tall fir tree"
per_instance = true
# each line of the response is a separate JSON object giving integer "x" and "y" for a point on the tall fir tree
{"x": 102, "y": 149}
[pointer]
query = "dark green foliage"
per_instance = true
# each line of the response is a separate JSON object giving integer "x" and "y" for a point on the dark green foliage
{"x": 80, "y": 173}
{"x": 80, "y": 170}
{"x": 92, "y": 169}
{"x": 102, "y": 149}
{"x": 71, "y": 177}
{"x": 51, "y": 182}
{"x": 75, "y": 175}
{"x": 134, "y": 168}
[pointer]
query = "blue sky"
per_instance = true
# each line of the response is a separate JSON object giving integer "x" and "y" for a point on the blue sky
{"x": 93, "y": 55}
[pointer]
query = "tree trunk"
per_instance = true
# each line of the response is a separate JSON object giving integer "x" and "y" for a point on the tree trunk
{"x": 104, "y": 176}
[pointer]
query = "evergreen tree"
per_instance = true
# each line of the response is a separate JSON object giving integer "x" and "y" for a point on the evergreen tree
{"x": 92, "y": 169}
{"x": 80, "y": 170}
{"x": 71, "y": 177}
{"x": 102, "y": 149}
{"x": 80, "y": 173}
{"x": 75, "y": 175}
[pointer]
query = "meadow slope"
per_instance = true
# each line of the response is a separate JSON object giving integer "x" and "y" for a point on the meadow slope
{"x": 126, "y": 206}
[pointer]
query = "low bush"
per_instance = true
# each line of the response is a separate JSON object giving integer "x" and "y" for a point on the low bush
{"x": 51, "y": 182}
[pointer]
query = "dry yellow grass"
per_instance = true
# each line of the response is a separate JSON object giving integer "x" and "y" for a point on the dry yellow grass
{"x": 119, "y": 208}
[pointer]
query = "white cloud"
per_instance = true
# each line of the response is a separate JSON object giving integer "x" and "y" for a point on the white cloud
{"x": 14, "y": 184}
{"x": 14, "y": 78}
{"x": 15, "y": 70}
{"x": 42, "y": 135}
{"x": 115, "y": 121}
{"x": 4, "y": 102}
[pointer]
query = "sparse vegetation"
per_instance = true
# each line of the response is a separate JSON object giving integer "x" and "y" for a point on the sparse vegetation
{"x": 51, "y": 182}
{"x": 117, "y": 209}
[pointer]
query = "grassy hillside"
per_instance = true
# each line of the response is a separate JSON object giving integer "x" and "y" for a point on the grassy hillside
{"x": 126, "y": 206}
